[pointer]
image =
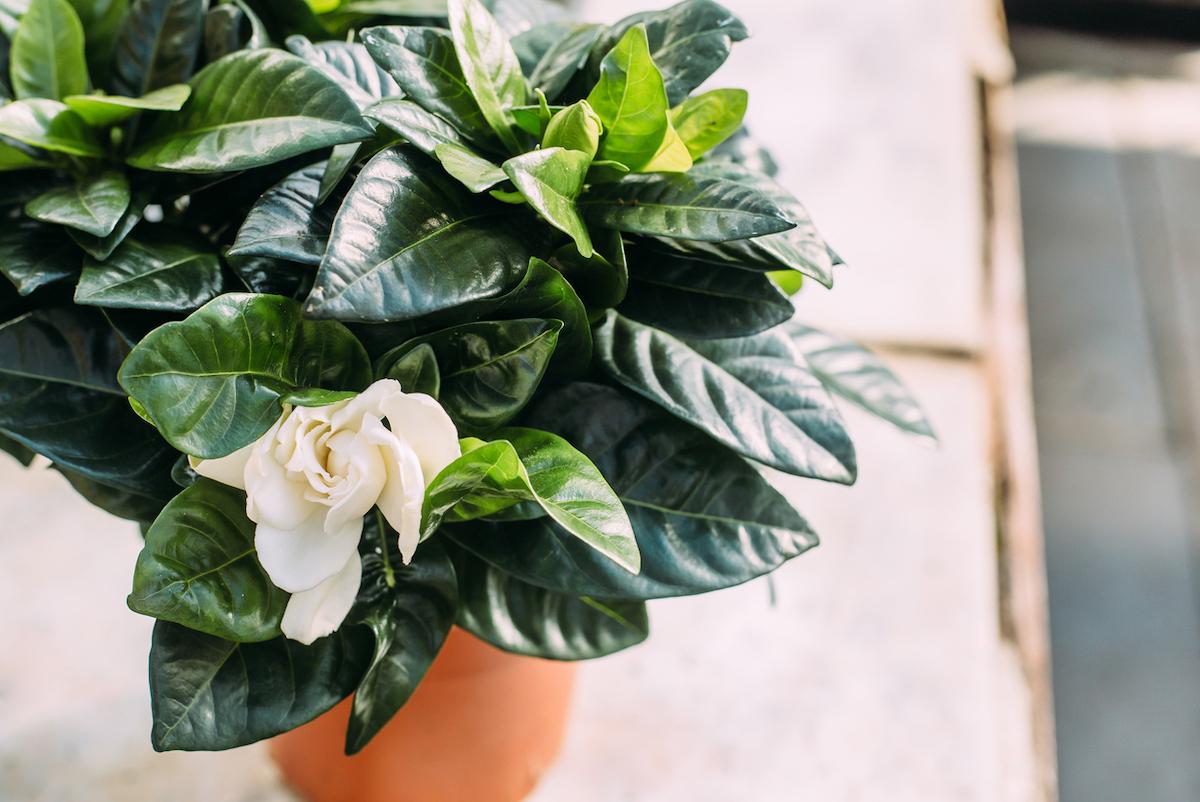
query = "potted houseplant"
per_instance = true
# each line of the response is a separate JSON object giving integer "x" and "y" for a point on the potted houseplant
{"x": 378, "y": 317}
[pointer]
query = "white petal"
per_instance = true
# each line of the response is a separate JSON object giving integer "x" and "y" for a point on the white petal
{"x": 304, "y": 557}
{"x": 228, "y": 470}
{"x": 365, "y": 475}
{"x": 401, "y": 498}
{"x": 315, "y": 613}
{"x": 421, "y": 421}
{"x": 369, "y": 401}
{"x": 272, "y": 497}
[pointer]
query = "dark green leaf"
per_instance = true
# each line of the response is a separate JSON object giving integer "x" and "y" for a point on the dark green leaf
{"x": 490, "y": 67}
{"x": 167, "y": 273}
{"x": 632, "y": 102}
{"x": 93, "y": 204}
{"x": 225, "y": 31}
{"x": 681, "y": 205}
{"x": 286, "y": 221}
{"x": 350, "y": 65}
{"x": 602, "y": 279}
{"x": 59, "y": 396}
{"x": 742, "y": 149}
{"x": 47, "y": 52}
{"x": 564, "y": 58}
{"x": 249, "y": 109}
{"x": 532, "y": 465}
{"x": 15, "y": 156}
{"x": 524, "y": 619}
{"x": 102, "y": 247}
{"x": 798, "y": 248}
{"x": 101, "y": 19}
{"x": 410, "y": 240}
{"x": 418, "y": 372}
{"x": 531, "y": 45}
{"x": 425, "y": 65}
{"x": 551, "y": 179}
{"x": 515, "y": 16}
{"x": 199, "y": 568}
{"x": 489, "y": 370}
{"x": 395, "y": 8}
{"x": 754, "y": 394}
{"x": 134, "y": 324}
{"x": 213, "y": 382}
{"x": 156, "y": 45}
{"x": 424, "y": 130}
{"x": 694, "y": 299}
{"x": 50, "y": 125}
{"x": 707, "y": 120}
{"x": 270, "y": 276}
{"x": 104, "y": 110}
{"x": 121, "y": 503}
{"x": 210, "y": 693}
{"x": 285, "y": 17}
{"x": 10, "y": 16}
{"x": 704, "y": 519}
{"x": 17, "y": 450}
{"x": 34, "y": 254}
{"x": 410, "y": 619}
{"x": 857, "y": 375}
{"x": 475, "y": 172}
{"x": 688, "y": 42}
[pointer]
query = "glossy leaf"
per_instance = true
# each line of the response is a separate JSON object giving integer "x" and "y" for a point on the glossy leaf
{"x": 287, "y": 223}
{"x": 854, "y": 373}
{"x": 15, "y": 157}
{"x": 250, "y": 109}
{"x": 199, "y": 568}
{"x": 104, "y": 110}
{"x": 682, "y": 205}
{"x": 532, "y": 44}
{"x": 564, "y": 58}
{"x": 167, "y": 273}
{"x": 418, "y": 371}
{"x": 121, "y": 503}
{"x": 707, "y": 120}
{"x": 551, "y": 179}
{"x": 93, "y": 204}
{"x": 424, "y": 63}
{"x": 34, "y": 254}
{"x": 350, "y": 65}
{"x": 693, "y": 299}
{"x": 101, "y": 20}
{"x": 742, "y": 149}
{"x": 213, "y": 383}
{"x": 602, "y": 279}
{"x": 50, "y": 125}
{"x": 210, "y": 693}
{"x": 490, "y": 67}
{"x": 270, "y": 276}
{"x": 798, "y": 248}
{"x": 632, "y": 103}
{"x": 410, "y": 240}
{"x": 704, "y": 519}
{"x": 753, "y": 394}
{"x": 224, "y": 31}
{"x": 489, "y": 369}
{"x": 59, "y": 396}
{"x": 424, "y": 130}
{"x": 688, "y": 42}
{"x": 475, "y": 172}
{"x": 102, "y": 247}
{"x": 156, "y": 45}
{"x": 524, "y": 619}
{"x": 410, "y": 611}
{"x": 285, "y": 17}
{"x": 47, "y": 52}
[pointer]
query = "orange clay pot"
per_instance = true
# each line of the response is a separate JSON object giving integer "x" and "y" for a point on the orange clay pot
{"x": 483, "y": 726}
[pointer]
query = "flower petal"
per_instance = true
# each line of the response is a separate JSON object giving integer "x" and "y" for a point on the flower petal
{"x": 315, "y": 613}
{"x": 365, "y": 474}
{"x": 229, "y": 470}
{"x": 305, "y": 556}
{"x": 404, "y": 492}
{"x": 273, "y": 498}
{"x": 421, "y": 421}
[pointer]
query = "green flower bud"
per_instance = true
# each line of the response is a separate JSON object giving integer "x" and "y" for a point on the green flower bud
{"x": 575, "y": 128}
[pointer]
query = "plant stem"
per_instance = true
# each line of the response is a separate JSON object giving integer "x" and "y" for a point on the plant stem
{"x": 388, "y": 574}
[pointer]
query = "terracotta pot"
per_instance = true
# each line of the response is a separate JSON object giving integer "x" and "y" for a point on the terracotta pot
{"x": 483, "y": 726}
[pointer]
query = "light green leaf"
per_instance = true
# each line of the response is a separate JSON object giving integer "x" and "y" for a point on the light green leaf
{"x": 632, "y": 102}
{"x": 104, "y": 110}
{"x": 199, "y": 568}
{"x": 490, "y": 67}
{"x": 251, "y": 108}
{"x": 215, "y": 381}
{"x": 551, "y": 179}
{"x": 475, "y": 172}
{"x": 672, "y": 155}
{"x": 47, "y": 52}
{"x": 707, "y": 120}
{"x": 50, "y": 125}
{"x": 93, "y": 204}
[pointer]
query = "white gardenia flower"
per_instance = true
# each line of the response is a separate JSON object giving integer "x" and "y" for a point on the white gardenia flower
{"x": 310, "y": 480}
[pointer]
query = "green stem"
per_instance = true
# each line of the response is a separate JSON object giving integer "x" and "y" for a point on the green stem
{"x": 388, "y": 574}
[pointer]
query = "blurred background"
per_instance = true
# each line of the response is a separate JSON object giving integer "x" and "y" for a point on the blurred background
{"x": 1009, "y": 617}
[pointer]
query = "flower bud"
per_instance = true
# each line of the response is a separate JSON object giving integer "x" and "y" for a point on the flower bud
{"x": 576, "y": 127}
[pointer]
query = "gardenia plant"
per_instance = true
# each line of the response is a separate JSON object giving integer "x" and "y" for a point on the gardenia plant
{"x": 481, "y": 319}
